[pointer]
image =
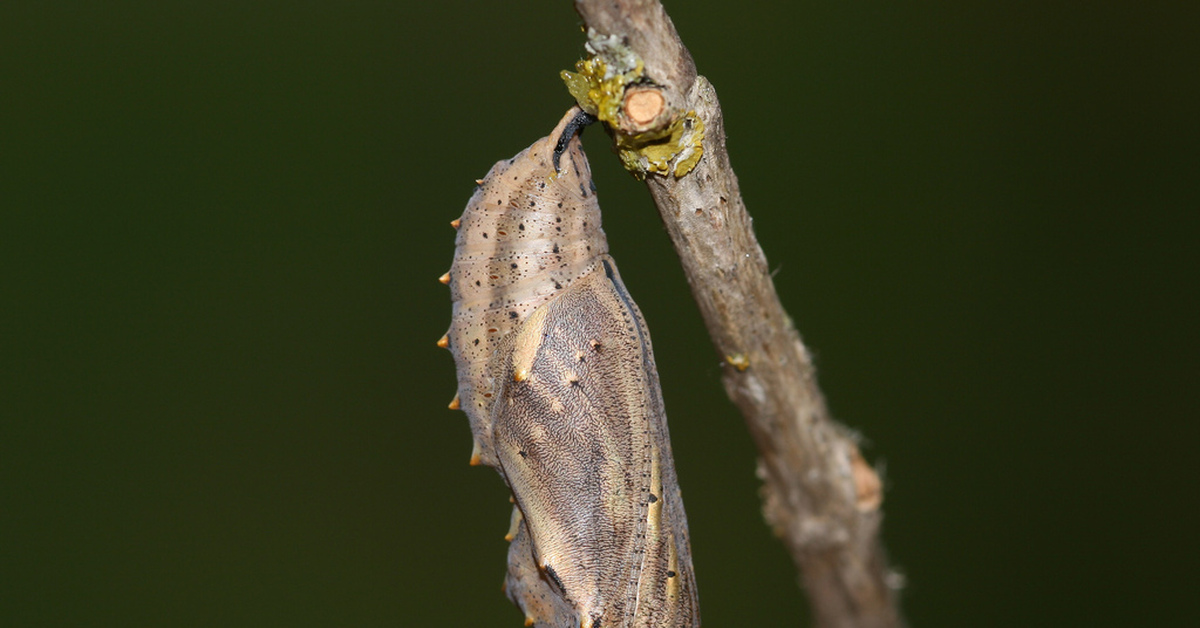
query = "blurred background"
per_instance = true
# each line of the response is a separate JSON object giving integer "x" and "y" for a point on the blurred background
{"x": 221, "y": 225}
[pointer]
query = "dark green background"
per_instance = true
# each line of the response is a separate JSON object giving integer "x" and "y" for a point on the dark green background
{"x": 222, "y": 223}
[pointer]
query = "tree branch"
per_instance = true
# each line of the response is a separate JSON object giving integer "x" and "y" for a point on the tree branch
{"x": 819, "y": 495}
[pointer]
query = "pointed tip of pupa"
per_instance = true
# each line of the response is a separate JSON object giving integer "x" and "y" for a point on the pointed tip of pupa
{"x": 456, "y": 223}
{"x": 444, "y": 342}
{"x": 476, "y": 453}
{"x": 445, "y": 279}
{"x": 454, "y": 403}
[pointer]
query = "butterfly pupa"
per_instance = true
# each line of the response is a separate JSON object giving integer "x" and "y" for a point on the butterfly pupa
{"x": 557, "y": 376}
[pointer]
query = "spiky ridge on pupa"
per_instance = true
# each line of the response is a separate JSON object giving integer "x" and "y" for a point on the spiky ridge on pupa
{"x": 526, "y": 234}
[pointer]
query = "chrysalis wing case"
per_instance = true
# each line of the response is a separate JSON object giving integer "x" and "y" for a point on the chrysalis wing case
{"x": 556, "y": 373}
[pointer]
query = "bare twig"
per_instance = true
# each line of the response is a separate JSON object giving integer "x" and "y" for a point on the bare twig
{"x": 819, "y": 495}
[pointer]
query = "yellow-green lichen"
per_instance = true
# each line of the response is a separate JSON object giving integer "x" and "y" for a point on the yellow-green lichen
{"x": 682, "y": 144}
{"x": 598, "y": 84}
{"x": 597, "y": 90}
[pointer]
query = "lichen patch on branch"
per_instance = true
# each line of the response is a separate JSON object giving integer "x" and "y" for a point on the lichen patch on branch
{"x": 650, "y": 135}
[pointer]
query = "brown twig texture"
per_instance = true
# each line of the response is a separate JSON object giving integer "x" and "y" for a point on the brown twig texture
{"x": 819, "y": 494}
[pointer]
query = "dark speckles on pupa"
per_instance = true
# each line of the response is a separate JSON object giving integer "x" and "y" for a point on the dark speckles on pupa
{"x": 575, "y": 427}
{"x": 542, "y": 232}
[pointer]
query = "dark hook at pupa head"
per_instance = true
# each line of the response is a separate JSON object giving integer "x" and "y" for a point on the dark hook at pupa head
{"x": 575, "y": 127}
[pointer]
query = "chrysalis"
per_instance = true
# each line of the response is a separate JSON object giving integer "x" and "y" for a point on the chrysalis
{"x": 557, "y": 376}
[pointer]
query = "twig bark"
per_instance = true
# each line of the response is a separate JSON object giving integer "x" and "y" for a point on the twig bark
{"x": 819, "y": 495}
